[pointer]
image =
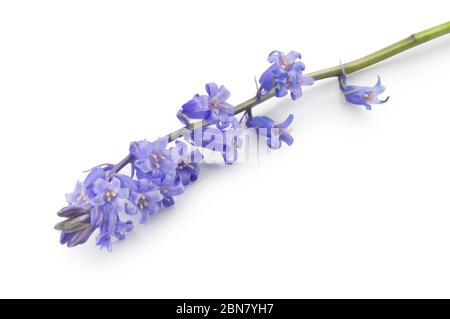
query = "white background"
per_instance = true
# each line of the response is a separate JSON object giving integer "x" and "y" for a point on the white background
{"x": 357, "y": 207}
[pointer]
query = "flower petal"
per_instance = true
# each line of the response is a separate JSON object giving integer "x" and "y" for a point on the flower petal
{"x": 96, "y": 216}
{"x": 266, "y": 79}
{"x": 211, "y": 89}
{"x": 98, "y": 200}
{"x": 114, "y": 185}
{"x": 287, "y": 138}
{"x": 100, "y": 185}
{"x": 274, "y": 142}
{"x": 306, "y": 80}
{"x": 145, "y": 166}
{"x": 285, "y": 124}
{"x": 123, "y": 193}
{"x": 176, "y": 189}
{"x": 292, "y": 56}
{"x": 93, "y": 175}
{"x": 261, "y": 121}
{"x": 275, "y": 56}
{"x": 141, "y": 149}
{"x": 223, "y": 94}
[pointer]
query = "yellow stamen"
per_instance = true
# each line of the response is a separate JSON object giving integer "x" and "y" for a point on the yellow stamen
{"x": 214, "y": 101}
{"x": 143, "y": 202}
{"x": 82, "y": 198}
{"x": 109, "y": 195}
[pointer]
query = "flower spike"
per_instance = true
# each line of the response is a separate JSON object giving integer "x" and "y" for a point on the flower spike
{"x": 106, "y": 201}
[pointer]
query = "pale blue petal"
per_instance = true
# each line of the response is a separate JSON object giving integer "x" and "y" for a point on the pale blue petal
{"x": 285, "y": 124}
{"x": 211, "y": 89}
{"x": 100, "y": 185}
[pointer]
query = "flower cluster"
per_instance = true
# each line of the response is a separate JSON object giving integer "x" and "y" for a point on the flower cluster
{"x": 96, "y": 203}
{"x": 161, "y": 171}
{"x": 214, "y": 110}
{"x": 362, "y": 95}
{"x": 285, "y": 74}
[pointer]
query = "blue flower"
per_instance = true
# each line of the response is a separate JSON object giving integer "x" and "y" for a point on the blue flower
{"x": 83, "y": 190}
{"x": 111, "y": 227}
{"x": 110, "y": 200}
{"x": 169, "y": 187}
{"x": 79, "y": 196}
{"x": 111, "y": 193}
{"x": 275, "y": 133}
{"x": 285, "y": 74}
{"x": 212, "y": 108}
{"x": 147, "y": 199}
{"x": 227, "y": 142}
{"x": 362, "y": 95}
{"x": 106, "y": 201}
{"x": 152, "y": 159}
{"x": 187, "y": 165}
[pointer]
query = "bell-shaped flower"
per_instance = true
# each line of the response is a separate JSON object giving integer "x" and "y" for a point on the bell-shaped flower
{"x": 284, "y": 75}
{"x": 212, "y": 108}
{"x": 147, "y": 198}
{"x": 275, "y": 133}
{"x": 152, "y": 159}
{"x": 227, "y": 141}
{"x": 188, "y": 168}
{"x": 362, "y": 95}
{"x": 169, "y": 187}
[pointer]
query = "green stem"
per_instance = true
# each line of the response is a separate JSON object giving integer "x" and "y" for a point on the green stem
{"x": 380, "y": 55}
{"x": 350, "y": 67}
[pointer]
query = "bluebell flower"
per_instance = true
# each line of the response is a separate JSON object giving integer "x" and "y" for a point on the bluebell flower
{"x": 169, "y": 187}
{"x": 79, "y": 196}
{"x": 284, "y": 75}
{"x": 110, "y": 200}
{"x": 212, "y": 108}
{"x": 362, "y": 95}
{"x": 187, "y": 164}
{"x": 83, "y": 190}
{"x": 111, "y": 227}
{"x": 147, "y": 199}
{"x": 152, "y": 159}
{"x": 102, "y": 210}
{"x": 110, "y": 192}
{"x": 275, "y": 133}
{"x": 227, "y": 142}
